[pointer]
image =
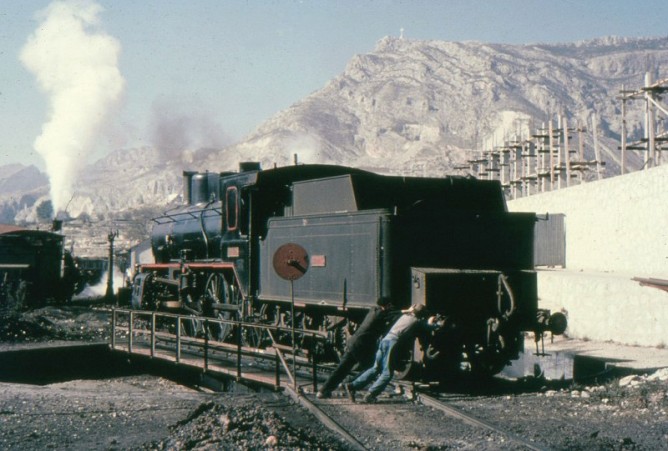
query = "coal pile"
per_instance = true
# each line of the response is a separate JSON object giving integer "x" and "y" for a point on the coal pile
{"x": 68, "y": 323}
{"x": 214, "y": 425}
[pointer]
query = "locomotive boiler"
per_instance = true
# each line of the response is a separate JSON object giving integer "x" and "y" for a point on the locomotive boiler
{"x": 449, "y": 243}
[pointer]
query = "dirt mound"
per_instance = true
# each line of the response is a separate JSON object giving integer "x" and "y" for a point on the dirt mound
{"x": 214, "y": 425}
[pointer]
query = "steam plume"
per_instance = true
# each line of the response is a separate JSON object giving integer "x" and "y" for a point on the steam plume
{"x": 177, "y": 127}
{"x": 76, "y": 65}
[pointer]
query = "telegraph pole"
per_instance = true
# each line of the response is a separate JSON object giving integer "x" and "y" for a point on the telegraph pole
{"x": 109, "y": 296}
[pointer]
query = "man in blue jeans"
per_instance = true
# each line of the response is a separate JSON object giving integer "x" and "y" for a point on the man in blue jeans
{"x": 362, "y": 344}
{"x": 407, "y": 326}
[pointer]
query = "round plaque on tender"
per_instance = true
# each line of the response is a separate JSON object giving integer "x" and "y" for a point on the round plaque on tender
{"x": 290, "y": 261}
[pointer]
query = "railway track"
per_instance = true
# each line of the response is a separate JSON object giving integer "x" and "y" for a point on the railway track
{"x": 407, "y": 421}
{"x": 419, "y": 419}
{"x": 439, "y": 404}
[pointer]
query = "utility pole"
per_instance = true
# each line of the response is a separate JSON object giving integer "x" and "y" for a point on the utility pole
{"x": 109, "y": 296}
{"x": 623, "y": 143}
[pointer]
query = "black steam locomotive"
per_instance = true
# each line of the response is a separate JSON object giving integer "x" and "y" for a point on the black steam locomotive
{"x": 449, "y": 243}
{"x": 34, "y": 268}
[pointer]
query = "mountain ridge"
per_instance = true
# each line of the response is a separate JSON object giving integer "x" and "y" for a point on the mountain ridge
{"x": 414, "y": 107}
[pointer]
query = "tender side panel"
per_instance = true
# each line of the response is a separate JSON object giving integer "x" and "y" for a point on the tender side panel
{"x": 345, "y": 254}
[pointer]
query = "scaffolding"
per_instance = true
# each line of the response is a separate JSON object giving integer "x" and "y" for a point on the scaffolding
{"x": 544, "y": 161}
{"x": 547, "y": 158}
{"x": 655, "y": 141}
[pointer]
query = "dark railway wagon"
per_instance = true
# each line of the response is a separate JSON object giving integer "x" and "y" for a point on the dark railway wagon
{"x": 34, "y": 268}
{"x": 367, "y": 237}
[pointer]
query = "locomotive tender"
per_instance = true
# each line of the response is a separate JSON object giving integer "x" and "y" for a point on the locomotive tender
{"x": 34, "y": 268}
{"x": 449, "y": 243}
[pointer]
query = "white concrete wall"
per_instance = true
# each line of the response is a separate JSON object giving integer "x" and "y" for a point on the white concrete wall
{"x": 616, "y": 229}
{"x": 606, "y": 306}
{"x": 616, "y": 224}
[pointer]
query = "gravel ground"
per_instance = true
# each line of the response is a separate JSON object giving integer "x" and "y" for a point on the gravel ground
{"x": 626, "y": 413}
{"x": 150, "y": 413}
{"x": 84, "y": 415}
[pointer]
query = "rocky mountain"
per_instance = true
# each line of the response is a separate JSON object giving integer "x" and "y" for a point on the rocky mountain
{"x": 407, "y": 107}
{"x": 21, "y": 187}
{"x": 421, "y": 104}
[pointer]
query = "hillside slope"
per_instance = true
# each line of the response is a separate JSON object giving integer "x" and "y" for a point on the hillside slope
{"x": 407, "y": 107}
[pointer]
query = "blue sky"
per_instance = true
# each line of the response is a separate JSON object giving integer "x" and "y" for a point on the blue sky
{"x": 230, "y": 65}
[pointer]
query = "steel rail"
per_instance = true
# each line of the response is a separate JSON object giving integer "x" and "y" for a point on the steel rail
{"x": 473, "y": 421}
{"x": 325, "y": 419}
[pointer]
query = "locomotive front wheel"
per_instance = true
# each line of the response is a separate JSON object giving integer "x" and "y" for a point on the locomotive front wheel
{"x": 217, "y": 293}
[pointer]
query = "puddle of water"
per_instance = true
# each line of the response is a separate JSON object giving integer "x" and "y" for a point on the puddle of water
{"x": 555, "y": 366}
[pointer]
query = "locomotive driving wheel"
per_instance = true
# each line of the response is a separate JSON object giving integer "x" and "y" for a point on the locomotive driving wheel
{"x": 218, "y": 295}
{"x": 256, "y": 337}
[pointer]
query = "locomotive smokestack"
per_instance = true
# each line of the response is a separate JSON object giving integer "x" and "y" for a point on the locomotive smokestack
{"x": 187, "y": 185}
{"x": 58, "y": 220}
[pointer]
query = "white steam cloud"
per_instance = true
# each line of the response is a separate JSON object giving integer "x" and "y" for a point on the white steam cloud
{"x": 76, "y": 65}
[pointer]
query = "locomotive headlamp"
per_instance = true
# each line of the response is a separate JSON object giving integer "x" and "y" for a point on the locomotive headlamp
{"x": 555, "y": 323}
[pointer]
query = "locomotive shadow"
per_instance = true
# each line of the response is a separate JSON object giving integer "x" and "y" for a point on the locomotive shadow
{"x": 59, "y": 363}
{"x": 51, "y": 364}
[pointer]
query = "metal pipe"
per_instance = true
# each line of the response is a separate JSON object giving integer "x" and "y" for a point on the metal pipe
{"x": 239, "y": 326}
{"x": 623, "y": 168}
{"x": 504, "y": 280}
{"x": 206, "y": 345}
{"x": 204, "y": 235}
{"x": 551, "y": 149}
{"x": 280, "y": 356}
{"x": 178, "y": 339}
{"x": 294, "y": 351}
{"x": 597, "y": 153}
{"x": 649, "y": 124}
{"x": 130, "y": 332}
{"x": 113, "y": 328}
{"x": 153, "y": 334}
{"x": 277, "y": 369}
{"x": 567, "y": 153}
{"x": 314, "y": 367}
